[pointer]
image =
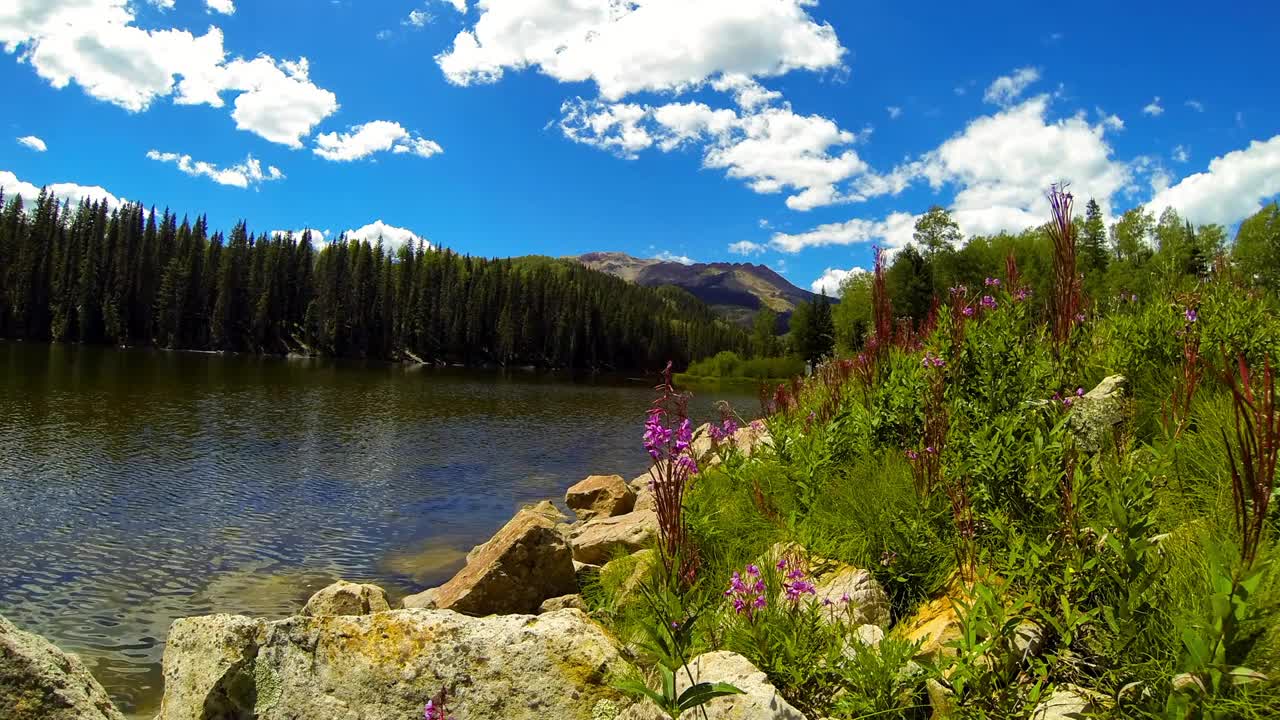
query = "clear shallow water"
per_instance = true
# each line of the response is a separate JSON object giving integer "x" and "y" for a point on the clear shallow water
{"x": 141, "y": 486}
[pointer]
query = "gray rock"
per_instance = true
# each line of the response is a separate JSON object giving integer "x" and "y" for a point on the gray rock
{"x": 40, "y": 682}
{"x": 1068, "y": 702}
{"x": 385, "y": 666}
{"x": 598, "y": 540}
{"x": 600, "y": 496}
{"x": 526, "y": 562}
{"x": 1095, "y": 415}
{"x": 347, "y": 598}
{"x": 760, "y": 700}
{"x": 852, "y": 595}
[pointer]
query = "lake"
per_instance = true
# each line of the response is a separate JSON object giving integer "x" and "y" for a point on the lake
{"x": 138, "y": 486}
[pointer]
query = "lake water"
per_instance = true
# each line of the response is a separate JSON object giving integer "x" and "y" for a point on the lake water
{"x": 140, "y": 486}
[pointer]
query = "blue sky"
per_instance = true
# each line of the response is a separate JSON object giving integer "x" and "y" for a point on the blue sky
{"x": 791, "y": 132}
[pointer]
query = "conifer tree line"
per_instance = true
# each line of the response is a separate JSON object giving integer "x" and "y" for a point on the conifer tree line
{"x": 127, "y": 276}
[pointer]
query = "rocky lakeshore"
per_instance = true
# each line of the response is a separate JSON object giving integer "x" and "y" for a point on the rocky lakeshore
{"x": 508, "y": 636}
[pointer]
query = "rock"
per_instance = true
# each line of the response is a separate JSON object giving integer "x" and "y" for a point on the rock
{"x": 545, "y": 508}
{"x": 1095, "y": 414}
{"x": 751, "y": 438}
{"x": 621, "y": 577}
{"x": 40, "y": 682}
{"x": 526, "y": 562}
{"x": 869, "y": 635}
{"x": 564, "y": 602}
{"x": 1028, "y": 639}
{"x": 600, "y": 496}
{"x": 1068, "y": 702}
{"x": 598, "y": 540}
{"x": 646, "y": 501}
{"x": 941, "y": 699}
{"x": 347, "y": 598}
{"x": 760, "y": 700}
{"x": 425, "y": 600}
{"x": 933, "y": 625}
{"x": 867, "y": 603}
{"x": 385, "y": 666}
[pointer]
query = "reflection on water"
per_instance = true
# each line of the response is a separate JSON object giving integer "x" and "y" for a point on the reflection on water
{"x": 140, "y": 486}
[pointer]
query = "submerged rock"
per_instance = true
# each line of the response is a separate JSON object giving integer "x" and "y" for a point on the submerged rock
{"x": 386, "y": 666}
{"x": 760, "y": 700}
{"x": 347, "y": 598}
{"x": 598, "y": 540}
{"x": 40, "y": 682}
{"x": 526, "y": 562}
{"x": 600, "y": 496}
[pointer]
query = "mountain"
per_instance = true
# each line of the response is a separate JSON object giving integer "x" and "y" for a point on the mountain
{"x": 735, "y": 290}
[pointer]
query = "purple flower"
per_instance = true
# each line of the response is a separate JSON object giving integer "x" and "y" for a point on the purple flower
{"x": 1133, "y": 298}
{"x": 1079, "y": 317}
{"x": 845, "y": 598}
{"x": 959, "y": 290}
{"x": 800, "y": 587}
{"x": 753, "y": 571}
{"x": 1079, "y": 392}
{"x": 987, "y": 302}
{"x": 967, "y": 311}
{"x": 782, "y": 564}
{"x": 1191, "y": 315}
{"x": 992, "y": 282}
{"x": 760, "y": 602}
{"x": 912, "y": 455}
{"x": 1021, "y": 294}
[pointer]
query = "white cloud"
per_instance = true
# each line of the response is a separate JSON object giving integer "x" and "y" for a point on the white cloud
{"x": 95, "y": 44}
{"x": 32, "y": 142}
{"x": 459, "y": 5}
{"x": 161, "y": 4}
{"x": 668, "y": 256}
{"x": 1234, "y": 187}
{"x": 1153, "y": 108}
{"x": 417, "y": 18}
{"x": 390, "y": 236}
{"x": 892, "y": 233}
{"x": 226, "y": 7}
{"x": 772, "y": 149}
{"x": 1006, "y": 89}
{"x": 364, "y": 140}
{"x": 1195, "y": 105}
{"x": 895, "y": 112}
{"x": 746, "y": 247}
{"x": 660, "y": 45}
{"x": 1002, "y": 164}
{"x": 748, "y": 93}
{"x": 1113, "y": 122}
{"x": 1181, "y": 154}
{"x": 241, "y": 175}
{"x": 832, "y": 279}
{"x": 71, "y": 192}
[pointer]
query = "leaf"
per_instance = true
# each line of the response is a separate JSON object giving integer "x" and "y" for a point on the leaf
{"x": 637, "y": 688}
{"x": 703, "y": 693}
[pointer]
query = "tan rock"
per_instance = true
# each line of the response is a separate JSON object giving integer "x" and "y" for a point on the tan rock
{"x": 526, "y": 562}
{"x": 347, "y": 598}
{"x": 40, "y": 682}
{"x": 564, "y": 602}
{"x": 852, "y": 595}
{"x": 933, "y": 625}
{"x": 760, "y": 700}
{"x": 1068, "y": 702}
{"x": 600, "y": 539}
{"x": 600, "y": 496}
{"x": 385, "y": 666}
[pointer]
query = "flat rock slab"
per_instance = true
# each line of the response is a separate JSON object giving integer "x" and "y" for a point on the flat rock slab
{"x": 386, "y": 666}
{"x": 597, "y": 541}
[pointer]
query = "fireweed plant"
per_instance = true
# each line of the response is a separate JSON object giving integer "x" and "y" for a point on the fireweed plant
{"x": 1140, "y": 573}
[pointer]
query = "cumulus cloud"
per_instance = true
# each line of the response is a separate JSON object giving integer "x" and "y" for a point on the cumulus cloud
{"x": 658, "y": 45}
{"x": 831, "y": 280}
{"x": 1154, "y": 108}
{"x": 1181, "y": 154}
{"x": 226, "y": 7}
{"x": 11, "y": 185}
{"x": 1195, "y": 105}
{"x": 389, "y": 235}
{"x": 772, "y": 149}
{"x": 892, "y": 233}
{"x": 95, "y": 44}
{"x": 746, "y": 247}
{"x": 249, "y": 173}
{"x": 1235, "y": 186}
{"x": 417, "y": 18}
{"x": 364, "y": 140}
{"x": 32, "y": 142}
{"x": 668, "y": 256}
{"x": 1006, "y": 89}
{"x": 895, "y": 112}
{"x": 1113, "y": 122}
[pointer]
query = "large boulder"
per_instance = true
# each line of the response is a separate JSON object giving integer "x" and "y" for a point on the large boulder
{"x": 1094, "y": 415}
{"x": 934, "y": 625}
{"x": 526, "y": 562}
{"x": 600, "y": 496}
{"x": 760, "y": 700}
{"x": 598, "y": 540}
{"x": 386, "y": 666}
{"x": 347, "y": 598}
{"x": 852, "y": 595}
{"x": 40, "y": 682}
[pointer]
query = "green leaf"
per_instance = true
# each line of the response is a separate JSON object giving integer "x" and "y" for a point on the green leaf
{"x": 635, "y": 688}
{"x": 703, "y": 693}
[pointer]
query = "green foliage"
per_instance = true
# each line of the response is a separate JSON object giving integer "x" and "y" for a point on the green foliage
{"x": 812, "y": 329}
{"x": 727, "y": 365}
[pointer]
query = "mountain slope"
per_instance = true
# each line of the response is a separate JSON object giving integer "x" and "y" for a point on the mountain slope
{"x": 736, "y": 290}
